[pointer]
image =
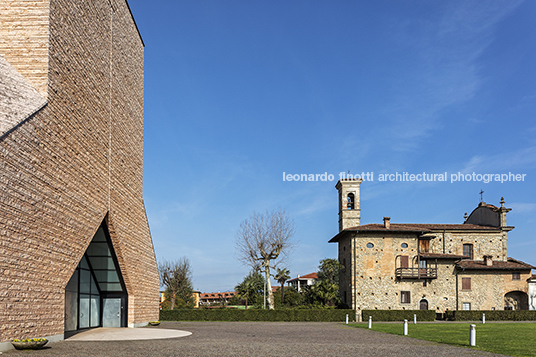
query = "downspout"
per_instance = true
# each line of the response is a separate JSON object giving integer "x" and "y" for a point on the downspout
{"x": 456, "y": 289}
{"x": 354, "y": 277}
{"x": 444, "y": 248}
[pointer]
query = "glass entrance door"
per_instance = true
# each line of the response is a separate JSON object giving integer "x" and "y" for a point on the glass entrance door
{"x": 111, "y": 312}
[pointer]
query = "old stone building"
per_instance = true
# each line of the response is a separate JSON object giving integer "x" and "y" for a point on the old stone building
{"x": 428, "y": 266}
{"x": 75, "y": 246}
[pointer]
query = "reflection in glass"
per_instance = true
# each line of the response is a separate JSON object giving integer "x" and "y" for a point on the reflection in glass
{"x": 84, "y": 311}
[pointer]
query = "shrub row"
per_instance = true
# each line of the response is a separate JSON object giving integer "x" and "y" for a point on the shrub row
{"x": 398, "y": 315}
{"x": 491, "y": 315}
{"x": 313, "y": 315}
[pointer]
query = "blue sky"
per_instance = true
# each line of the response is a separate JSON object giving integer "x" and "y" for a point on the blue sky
{"x": 239, "y": 92}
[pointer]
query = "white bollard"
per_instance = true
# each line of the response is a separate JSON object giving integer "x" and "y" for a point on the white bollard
{"x": 415, "y": 319}
{"x": 472, "y": 335}
{"x": 370, "y": 322}
{"x": 405, "y": 327}
{"x": 347, "y": 319}
{"x": 483, "y": 318}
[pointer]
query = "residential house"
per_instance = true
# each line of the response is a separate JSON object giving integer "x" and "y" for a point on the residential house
{"x": 300, "y": 282}
{"x": 221, "y": 298}
{"x": 428, "y": 266}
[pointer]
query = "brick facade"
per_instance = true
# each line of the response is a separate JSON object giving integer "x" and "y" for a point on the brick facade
{"x": 427, "y": 264}
{"x": 74, "y": 163}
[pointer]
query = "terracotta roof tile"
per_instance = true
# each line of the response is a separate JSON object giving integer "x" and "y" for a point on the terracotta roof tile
{"x": 419, "y": 227}
{"x": 510, "y": 264}
{"x": 307, "y": 276}
{"x": 412, "y": 227}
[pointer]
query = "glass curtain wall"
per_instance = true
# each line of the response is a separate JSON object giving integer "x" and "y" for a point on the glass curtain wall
{"x": 96, "y": 279}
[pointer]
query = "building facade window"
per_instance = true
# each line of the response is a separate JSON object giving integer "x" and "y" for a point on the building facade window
{"x": 424, "y": 245}
{"x": 466, "y": 283}
{"x": 404, "y": 245}
{"x": 370, "y": 245}
{"x": 422, "y": 264}
{"x": 466, "y": 306}
{"x": 516, "y": 276}
{"x": 405, "y": 297}
{"x": 468, "y": 251}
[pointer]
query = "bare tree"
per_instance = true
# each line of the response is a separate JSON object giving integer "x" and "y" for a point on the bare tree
{"x": 264, "y": 239}
{"x": 176, "y": 276}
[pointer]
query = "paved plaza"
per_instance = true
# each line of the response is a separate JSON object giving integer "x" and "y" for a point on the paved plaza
{"x": 247, "y": 339}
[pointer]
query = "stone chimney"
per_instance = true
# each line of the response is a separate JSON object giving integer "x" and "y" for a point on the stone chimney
{"x": 488, "y": 260}
{"x": 387, "y": 222}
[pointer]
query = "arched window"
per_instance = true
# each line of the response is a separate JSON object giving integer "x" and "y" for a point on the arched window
{"x": 350, "y": 201}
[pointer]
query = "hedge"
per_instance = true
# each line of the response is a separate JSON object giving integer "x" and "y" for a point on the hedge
{"x": 491, "y": 315}
{"x": 312, "y": 315}
{"x": 398, "y": 315}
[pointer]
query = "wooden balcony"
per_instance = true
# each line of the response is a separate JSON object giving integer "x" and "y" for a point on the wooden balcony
{"x": 416, "y": 273}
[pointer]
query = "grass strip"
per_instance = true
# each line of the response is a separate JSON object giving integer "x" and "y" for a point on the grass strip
{"x": 512, "y": 339}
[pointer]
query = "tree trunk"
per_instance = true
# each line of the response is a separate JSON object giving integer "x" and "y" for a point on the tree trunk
{"x": 269, "y": 287}
{"x": 173, "y": 297}
{"x": 282, "y": 294}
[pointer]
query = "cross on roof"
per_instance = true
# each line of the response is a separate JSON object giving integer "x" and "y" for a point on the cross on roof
{"x": 481, "y": 192}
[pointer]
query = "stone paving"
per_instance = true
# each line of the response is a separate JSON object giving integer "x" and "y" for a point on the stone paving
{"x": 259, "y": 339}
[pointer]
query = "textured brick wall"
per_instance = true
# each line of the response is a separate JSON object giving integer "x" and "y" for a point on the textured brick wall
{"x": 76, "y": 162}
{"x": 24, "y": 38}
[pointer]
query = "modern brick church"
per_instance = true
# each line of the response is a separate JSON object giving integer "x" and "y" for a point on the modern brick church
{"x": 75, "y": 247}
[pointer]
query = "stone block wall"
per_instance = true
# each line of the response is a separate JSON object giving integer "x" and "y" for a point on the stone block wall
{"x": 372, "y": 270}
{"x": 484, "y": 243}
{"x": 75, "y": 163}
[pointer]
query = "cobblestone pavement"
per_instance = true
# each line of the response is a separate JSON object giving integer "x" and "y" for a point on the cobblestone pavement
{"x": 260, "y": 339}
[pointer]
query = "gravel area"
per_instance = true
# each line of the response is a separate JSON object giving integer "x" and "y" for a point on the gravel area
{"x": 260, "y": 339}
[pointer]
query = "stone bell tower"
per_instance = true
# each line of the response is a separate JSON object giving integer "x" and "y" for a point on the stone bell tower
{"x": 349, "y": 203}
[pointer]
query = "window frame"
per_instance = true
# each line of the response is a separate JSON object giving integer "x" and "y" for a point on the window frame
{"x": 471, "y": 251}
{"x": 466, "y": 284}
{"x": 405, "y": 295}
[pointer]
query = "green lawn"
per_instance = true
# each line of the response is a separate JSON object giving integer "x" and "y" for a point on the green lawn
{"x": 512, "y": 339}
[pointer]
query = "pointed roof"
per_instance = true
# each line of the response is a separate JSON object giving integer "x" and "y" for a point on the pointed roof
{"x": 19, "y": 100}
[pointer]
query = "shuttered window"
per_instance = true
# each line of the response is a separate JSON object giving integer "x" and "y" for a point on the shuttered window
{"x": 404, "y": 261}
{"x": 466, "y": 283}
{"x": 405, "y": 297}
{"x": 424, "y": 245}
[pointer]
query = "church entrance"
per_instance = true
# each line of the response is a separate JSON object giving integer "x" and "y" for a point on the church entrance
{"x": 96, "y": 295}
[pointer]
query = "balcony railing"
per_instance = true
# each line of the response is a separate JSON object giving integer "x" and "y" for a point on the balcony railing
{"x": 416, "y": 273}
